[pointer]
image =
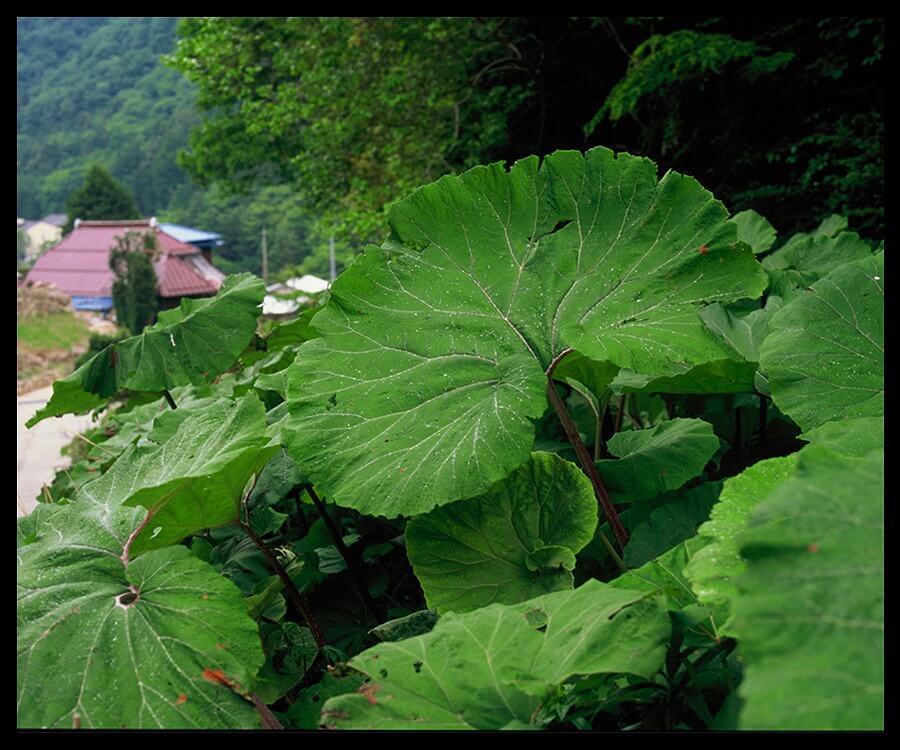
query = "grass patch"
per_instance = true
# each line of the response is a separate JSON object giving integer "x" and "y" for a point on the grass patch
{"x": 57, "y": 331}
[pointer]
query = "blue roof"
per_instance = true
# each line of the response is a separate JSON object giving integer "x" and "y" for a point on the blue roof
{"x": 100, "y": 304}
{"x": 196, "y": 237}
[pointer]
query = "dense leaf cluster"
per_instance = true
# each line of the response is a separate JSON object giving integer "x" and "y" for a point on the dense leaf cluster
{"x": 536, "y": 462}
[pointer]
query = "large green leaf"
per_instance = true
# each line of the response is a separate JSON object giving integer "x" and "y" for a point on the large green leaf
{"x": 668, "y": 524}
{"x": 741, "y": 327}
{"x": 306, "y": 711}
{"x": 713, "y": 568}
{"x": 831, "y": 226}
{"x": 665, "y": 575}
{"x": 292, "y": 333}
{"x": 824, "y": 356}
{"x": 493, "y": 667}
{"x": 727, "y": 374}
{"x": 90, "y": 657}
{"x": 195, "y": 479}
{"x": 809, "y": 613}
{"x": 431, "y": 364}
{"x": 852, "y": 437}
{"x": 804, "y": 259}
{"x": 755, "y": 230}
{"x": 658, "y": 459}
{"x": 516, "y": 541}
{"x": 190, "y": 344}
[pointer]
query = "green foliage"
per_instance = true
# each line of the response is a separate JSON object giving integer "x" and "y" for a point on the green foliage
{"x": 562, "y": 263}
{"x": 176, "y": 351}
{"x": 101, "y": 196}
{"x": 91, "y": 91}
{"x": 755, "y": 230}
{"x": 513, "y": 543}
{"x": 326, "y": 121}
{"x": 134, "y": 290}
{"x": 653, "y": 461}
{"x": 138, "y": 635}
{"x": 667, "y": 61}
{"x": 670, "y": 519}
{"x": 491, "y": 668}
{"x": 793, "y": 107}
{"x": 809, "y": 611}
{"x": 806, "y": 258}
{"x": 853, "y": 437}
{"x": 352, "y": 111}
{"x": 192, "y": 475}
{"x": 824, "y": 358}
{"x": 665, "y": 575}
{"x": 713, "y": 568}
{"x": 480, "y": 589}
{"x": 742, "y": 327}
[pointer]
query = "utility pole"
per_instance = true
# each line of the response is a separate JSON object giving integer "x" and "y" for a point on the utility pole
{"x": 265, "y": 259}
{"x": 331, "y": 260}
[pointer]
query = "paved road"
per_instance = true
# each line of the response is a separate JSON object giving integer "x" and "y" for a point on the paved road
{"x": 37, "y": 449}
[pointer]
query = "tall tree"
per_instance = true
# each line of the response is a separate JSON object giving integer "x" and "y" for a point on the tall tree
{"x": 353, "y": 112}
{"x": 100, "y": 197}
{"x": 780, "y": 114}
{"x": 134, "y": 290}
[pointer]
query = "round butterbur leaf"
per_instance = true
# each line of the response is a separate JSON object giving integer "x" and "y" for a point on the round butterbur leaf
{"x": 430, "y": 369}
{"x": 514, "y": 542}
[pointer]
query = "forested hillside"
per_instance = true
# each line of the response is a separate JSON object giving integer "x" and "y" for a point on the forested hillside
{"x": 93, "y": 90}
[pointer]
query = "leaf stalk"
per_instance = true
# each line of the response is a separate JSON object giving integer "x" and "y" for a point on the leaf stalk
{"x": 581, "y": 451}
{"x": 296, "y": 597}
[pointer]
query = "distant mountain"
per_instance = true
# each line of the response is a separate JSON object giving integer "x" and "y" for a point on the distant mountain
{"x": 91, "y": 90}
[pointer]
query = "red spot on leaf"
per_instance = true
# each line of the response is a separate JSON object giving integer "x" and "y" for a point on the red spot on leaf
{"x": 368, "y": 692}
{"x": 204, "y": 596}
{"x": 221, "y": 646}
{"x": 182, "y": 699}
{"x": 402, "y": 470}
{"x": 703, "y": 250}
{"x": 813, "y": 548}
{"x": 217, "y": 676}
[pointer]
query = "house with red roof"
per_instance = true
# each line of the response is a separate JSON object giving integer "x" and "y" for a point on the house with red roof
{"x": 79, "y": 265}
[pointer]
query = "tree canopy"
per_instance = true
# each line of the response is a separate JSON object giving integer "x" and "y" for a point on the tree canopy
{"x": 313, "y": 126}
{"x": 354, "y": 112}
{"x": 134, "y": 290}
{"x": 100, "y": 197}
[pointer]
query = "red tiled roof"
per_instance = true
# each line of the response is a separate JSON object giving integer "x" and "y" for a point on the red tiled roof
{"x": 79, "y": 264}
{"x": 100, "y": 236}
{"x": 177, "y": 278}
